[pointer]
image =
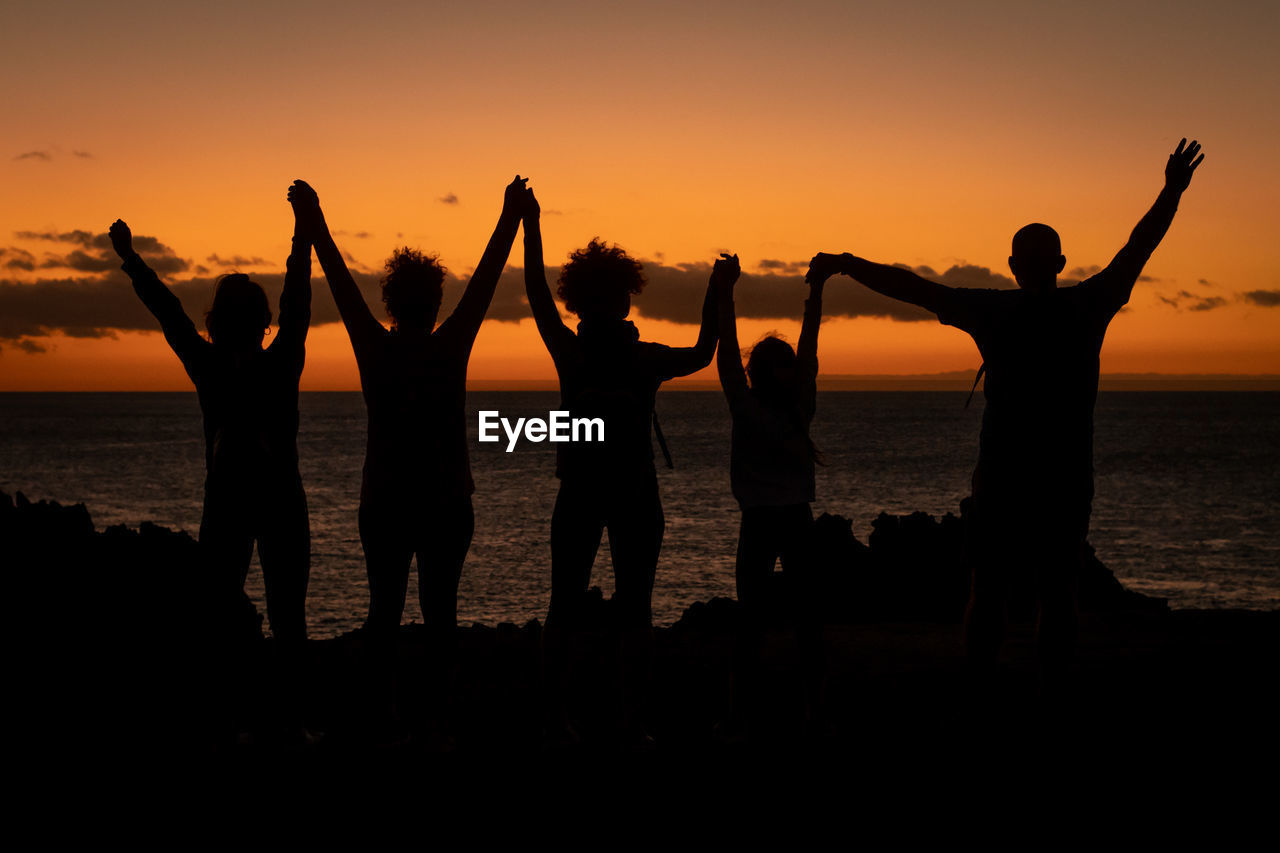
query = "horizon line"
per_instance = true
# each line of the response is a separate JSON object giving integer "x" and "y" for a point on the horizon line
{"x": 952, "y": 380}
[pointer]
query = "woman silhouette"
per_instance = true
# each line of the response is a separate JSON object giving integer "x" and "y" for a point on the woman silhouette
{"x": 605, "y": 372}
{"x": 249, "y": 403}
{"x": 771, "y": 469}
{"x": 415, "y": 496}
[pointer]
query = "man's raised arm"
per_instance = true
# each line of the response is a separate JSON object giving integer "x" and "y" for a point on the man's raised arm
{"x": 1123, "y": 271}
{"x": 894, "y": 282}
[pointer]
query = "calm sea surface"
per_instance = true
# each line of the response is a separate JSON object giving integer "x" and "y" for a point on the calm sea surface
{"x": 1186, "y": 506}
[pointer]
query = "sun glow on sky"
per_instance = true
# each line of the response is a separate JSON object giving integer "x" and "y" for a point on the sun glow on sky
{"x": 922, "y": 134}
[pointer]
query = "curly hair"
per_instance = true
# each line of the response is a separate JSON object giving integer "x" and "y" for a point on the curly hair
{"x": 596, "y": 273}
{"x": 414, "y": 282}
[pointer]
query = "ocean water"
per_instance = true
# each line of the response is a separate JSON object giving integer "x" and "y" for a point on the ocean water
{"x": 1187, "y": 487}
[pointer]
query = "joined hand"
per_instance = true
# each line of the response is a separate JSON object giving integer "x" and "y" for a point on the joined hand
{"x": 725, "y": 271}
{"x": 823, "y": 266}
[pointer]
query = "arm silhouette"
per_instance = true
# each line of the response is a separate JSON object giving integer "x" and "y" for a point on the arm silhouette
{"x": 1124, "y": 269}
{"x": 681, "y": 361}
{"x": 894, "y": 282}
{"x": 469, "y": 313}
{"x": 178, "y": 329}
{"x": 295, "y": 298}
{"x": 807, "y": 347}
{"x": 733, "y": 378}
{"x": 355, "y": 313}
{"x": 545, "y": 313}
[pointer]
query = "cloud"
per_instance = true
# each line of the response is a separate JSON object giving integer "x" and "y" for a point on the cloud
{"x": 675, "y": 293}
{"x": 46, "y": 154}
{"x": 97, "y": 255}
{"x": 84, "y": 238}
{"x": 359, "y": 266}
{"x": 18, "y": 259}
{"x": 96, "y": 307}
{"x": 1208, "y": 304}
{"x": 81, "y": 261}
{"x": 1081, "y": 273}
{"x": 99, "y": 302}
{"x": 1262, "y": 298}
{"x": 142, "y": 244}
{"x": 448, "y": 199}
{"x": 1191, "y": 301}
{"x": 1078, "y": 274}
{"x": 775, "y": 265}
{"x": 236, "y": 261}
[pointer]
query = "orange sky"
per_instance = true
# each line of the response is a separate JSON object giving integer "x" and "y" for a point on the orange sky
{"x": 921, "y": 134}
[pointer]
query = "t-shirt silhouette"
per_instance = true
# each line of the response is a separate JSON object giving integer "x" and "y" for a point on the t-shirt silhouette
{"x": 1040, "y": 351}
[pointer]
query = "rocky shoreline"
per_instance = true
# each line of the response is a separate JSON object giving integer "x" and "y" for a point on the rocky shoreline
{"x": 131, "y": 629}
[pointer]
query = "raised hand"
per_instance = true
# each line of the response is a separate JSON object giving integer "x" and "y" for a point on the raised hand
{"x": 530, "y": 209}
{"x": 121, "y": 239}
{"x": 513, "y": 199}
{"x": 725, "y": 271}
{"x": 305, "y": 201}
{"x": 1182, "y": 163}
{"x": 823, "y": 266}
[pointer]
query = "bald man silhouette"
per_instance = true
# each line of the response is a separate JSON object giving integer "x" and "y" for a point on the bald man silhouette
{"x": 1033, "y": 485}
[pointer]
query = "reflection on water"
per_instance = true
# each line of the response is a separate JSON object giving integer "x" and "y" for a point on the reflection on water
{"x": 1184, "y": 509}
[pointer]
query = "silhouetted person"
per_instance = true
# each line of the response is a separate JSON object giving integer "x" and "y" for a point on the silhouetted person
{"x": 249, "y": 402}
{"x": 415, "y": 496}
{"x": 605, "y": 372}
{"x": 1033, "y": 485}
{"x": 771, "y": 471}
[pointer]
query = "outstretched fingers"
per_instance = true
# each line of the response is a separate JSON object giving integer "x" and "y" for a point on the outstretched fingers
{"x": 1190, "y": 155}
{"x": 1182, "y": 164}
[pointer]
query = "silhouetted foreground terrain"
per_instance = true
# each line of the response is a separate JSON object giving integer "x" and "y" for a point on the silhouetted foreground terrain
{"x": 123, "y": 640}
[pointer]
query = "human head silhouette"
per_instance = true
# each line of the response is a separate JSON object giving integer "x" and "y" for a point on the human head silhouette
{"x": 598, "y": 281}
{"x": 412, "y": 290}
{"x": 1037, "y": 257}
{"x": 240, "y": 314}
{"x": 771, "y": 368}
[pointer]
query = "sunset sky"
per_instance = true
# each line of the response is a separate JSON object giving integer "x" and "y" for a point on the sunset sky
{"x": 915, "y": 133}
